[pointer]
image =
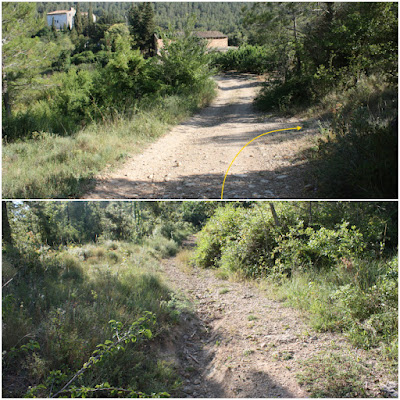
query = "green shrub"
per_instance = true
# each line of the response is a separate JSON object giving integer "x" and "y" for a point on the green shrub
{"x": 247, "y": 58}
{"x": 162, "y": 246}
{"x": 317, "y": 248}
{"x": 252, "y": 250}
{"x": 222, "y": 228}
{"x": 86, "y": 57}
{"x": 282, "y": 96}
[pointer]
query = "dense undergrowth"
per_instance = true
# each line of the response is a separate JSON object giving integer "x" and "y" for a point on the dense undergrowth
{"x": 246, "y": 58}
{"x": 57, "y": 312}
{"x": 337, "y": 261}
{"x": 344, "y": 73}
{"x": 72, "y": 302}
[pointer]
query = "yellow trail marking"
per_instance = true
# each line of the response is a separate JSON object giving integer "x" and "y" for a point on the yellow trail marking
{"x": 252, "y": 140}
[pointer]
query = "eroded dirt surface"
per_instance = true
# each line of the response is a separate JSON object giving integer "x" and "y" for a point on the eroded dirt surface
{"x": 191, "y": 160}
{"x": 238, "y": 343}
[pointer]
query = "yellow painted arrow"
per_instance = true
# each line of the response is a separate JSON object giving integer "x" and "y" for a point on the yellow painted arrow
{"x": 252, "y": 140}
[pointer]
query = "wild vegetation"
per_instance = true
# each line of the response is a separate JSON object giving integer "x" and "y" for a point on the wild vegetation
{"x": 336, "y": 62}
{"x": 337, "y": 261}
{"x": 85, "y": 94}
{"x": 84, "y": 308}
{"x": 340, "y": 61}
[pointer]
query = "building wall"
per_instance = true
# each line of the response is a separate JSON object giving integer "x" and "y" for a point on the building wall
{"x": 59, "y": 20}
{"x": 223, "y": 42}
{"x": 211, "y": 43}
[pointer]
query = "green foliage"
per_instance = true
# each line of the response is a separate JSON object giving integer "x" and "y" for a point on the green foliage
{"x": 294, "y": 92}
{"x": 358, "y": 150}
{"x": 184, "y": 63}
{"x": 142, "y": 26}
{"x": 60, "y": 306}
{"x": 246, "y": 58}
{"x": 221, "y": 228}
{"x": 251, "y": 251}
{"x": 343, "y": 273}
{"x": 321, "y": 248}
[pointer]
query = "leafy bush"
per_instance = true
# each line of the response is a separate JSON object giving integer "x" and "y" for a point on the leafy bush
{"x": 282, "y": 96}
{"x": 86, "y": 57}
{"x": 251, "y": 252}
{"x": 247, "y": 58}
{"x": 322, "y": 248}
{"x": 184, "y": 64}
{"x": 223, "y": 227}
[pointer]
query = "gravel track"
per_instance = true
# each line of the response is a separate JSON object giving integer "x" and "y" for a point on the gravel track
{"x": 190, "y": 161}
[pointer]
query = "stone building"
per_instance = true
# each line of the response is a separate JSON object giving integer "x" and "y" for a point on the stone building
{"x": 215, "y": 40}
{"x": 64, "y": 18}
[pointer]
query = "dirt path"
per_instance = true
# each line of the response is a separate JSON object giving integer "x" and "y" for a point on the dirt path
{"x": 191, "y": 160}
{"x": 238, "y": 343}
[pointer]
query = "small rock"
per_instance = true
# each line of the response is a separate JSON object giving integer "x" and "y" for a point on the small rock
{"x": 187, "y": 389}
{"x": 269, "y": 193}
{"x": 195, "y": 394}
{"x": 197, "y": 382}
{"x": 390, "y": 389}
{"x": 281, "y": 177}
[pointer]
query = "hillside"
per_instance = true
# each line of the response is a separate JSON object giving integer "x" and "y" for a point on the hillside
{"x": 222, "y": 16}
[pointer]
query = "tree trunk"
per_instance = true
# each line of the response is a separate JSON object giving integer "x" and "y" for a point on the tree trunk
{"x": 6, "y": 232}
{"x": 274, "y": 214}
{"x": 6, "y": 95}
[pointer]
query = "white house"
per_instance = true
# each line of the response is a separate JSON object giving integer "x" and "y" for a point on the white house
{"x": 61, "y": 18}
{"x": 64, "y": 18}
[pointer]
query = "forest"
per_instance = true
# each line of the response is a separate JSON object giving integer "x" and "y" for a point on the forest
{"x": 75, "y": 101}
{"x": 87, "y": 305}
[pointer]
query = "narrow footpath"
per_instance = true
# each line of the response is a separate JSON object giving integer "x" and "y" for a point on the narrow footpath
{"x": 238, "y": 343}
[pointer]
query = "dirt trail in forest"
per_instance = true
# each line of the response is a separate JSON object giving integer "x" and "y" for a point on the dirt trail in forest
{"x": 237, "y": 342}
{"x": 191, "y": 160}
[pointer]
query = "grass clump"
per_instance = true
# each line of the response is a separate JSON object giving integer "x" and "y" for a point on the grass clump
{"x": 60, "y": 305}
{"x": 334, "y": 375}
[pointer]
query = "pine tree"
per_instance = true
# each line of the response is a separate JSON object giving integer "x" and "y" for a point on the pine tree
{"x": 90, "y": 14}
{"x": 23, "y": 56}
{"x": 78, "y": 20}
{"x": 142, "y": 26}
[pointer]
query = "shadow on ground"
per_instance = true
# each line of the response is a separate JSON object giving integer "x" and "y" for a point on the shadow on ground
{"x": 289, "y": 182}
